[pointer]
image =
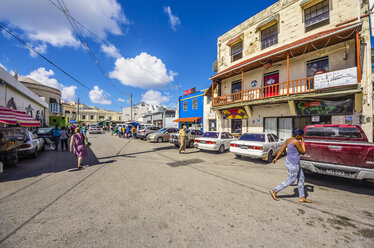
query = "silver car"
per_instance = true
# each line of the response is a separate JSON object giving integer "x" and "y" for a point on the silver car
{"x": 162, "y": 135}
{"x": 143, "y": 131}
{"x": 191, "y": 136}
{"x": 214, "y": 141}
{"x": 32, "y": 145}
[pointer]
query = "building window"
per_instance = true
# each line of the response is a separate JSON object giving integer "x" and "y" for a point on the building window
{"x": 269, "y": 36}
{"x": 61, "y": 109}
{"x": 74, "y": 115}
{"x": 119, "y": 118}
{"x": 236, "y": 86}
{"x": 317, "y": 66}
{"x": 83, "y": 117}
{"x": 54, "y": 107}
{"x": 92, "y": 117}
{"x": 194, "y": 104}
{"x": 110, "y": 118}
{"x": 101, "y": 117}
{"x": 212, "y": 125}
{"x": 237, "y": 51}
{"x": 185, "y": 106}
{"x": 317, "y": 15}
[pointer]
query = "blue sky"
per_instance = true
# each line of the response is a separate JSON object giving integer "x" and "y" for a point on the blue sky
{"x": 150, "y": 47}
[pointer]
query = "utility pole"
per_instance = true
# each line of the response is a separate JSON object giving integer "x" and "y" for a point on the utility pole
{"x": 78, "y": 111}
{"x": 130, "y": 106}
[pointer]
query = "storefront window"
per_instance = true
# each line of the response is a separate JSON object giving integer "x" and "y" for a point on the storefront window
{"x": 212, "y": 125}
{"x": 236, "y": 126}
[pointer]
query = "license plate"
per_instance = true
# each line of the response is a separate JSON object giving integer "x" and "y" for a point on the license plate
{"x": 245, "y": 147}
{"x": 335, "y": 172}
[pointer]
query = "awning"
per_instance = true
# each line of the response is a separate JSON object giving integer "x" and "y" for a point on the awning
{"x": 305, "y": 45}
{"x": 271, "y": 19}
{"x": 189, "y": 119}
{"x": 13, "y": 117}
{"x": 235, "y": 39}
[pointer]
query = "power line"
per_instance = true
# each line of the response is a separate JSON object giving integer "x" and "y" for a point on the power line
{"x": 64, "y": 10}
{"x": 2, "y": 26}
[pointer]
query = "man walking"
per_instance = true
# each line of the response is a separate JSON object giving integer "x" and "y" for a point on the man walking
{"x": 56, "y": 136}
{"x": 182, "y": 140}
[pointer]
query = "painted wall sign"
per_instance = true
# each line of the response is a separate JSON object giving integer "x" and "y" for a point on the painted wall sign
{"x": 336, "y": 78}
{"x": 190, "y": 91}
{"x": 254, "y": 83}
{"x": 310, "y": 108}
{"x": 236, "y": 113}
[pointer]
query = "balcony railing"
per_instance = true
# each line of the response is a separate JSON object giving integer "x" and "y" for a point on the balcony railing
{"x": 297, "y": 86}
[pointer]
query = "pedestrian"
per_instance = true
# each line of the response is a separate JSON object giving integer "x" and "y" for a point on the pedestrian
{"x": 64, "y": 135}
{"x": 182, "y": 140}
{"x": 133, "y": 130}
{"x": 294, "y": 149}
{"x": 72, "y": 129}
{"x": 77, "y": 146}
{"x": 56, "y": 136}
{"x": 128, "y": 131}
{"x": 84, "y": 129}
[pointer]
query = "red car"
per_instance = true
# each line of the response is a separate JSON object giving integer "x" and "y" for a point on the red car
{"x": 339, "y": 150}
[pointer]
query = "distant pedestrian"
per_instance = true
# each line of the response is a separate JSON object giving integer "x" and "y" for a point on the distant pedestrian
{"x": 182, "y": 140}
{"x": 133, "y": 130}
{"x": 77, "y": 146}
{"x": 128, "y": 131}
{"x": 294, "y": 149}
{"x": 64, "y": 135}
{"x": 56, "y": 136}
{"x": 84, "y": 129}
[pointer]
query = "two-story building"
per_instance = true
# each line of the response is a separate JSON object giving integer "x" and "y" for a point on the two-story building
{"x": 191, "y": 109}
{"x": 295, "y": 63}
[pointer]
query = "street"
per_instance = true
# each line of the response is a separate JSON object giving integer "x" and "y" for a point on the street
{"x": 139, "y": 194}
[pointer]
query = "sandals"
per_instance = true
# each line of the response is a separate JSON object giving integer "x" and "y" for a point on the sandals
{"x": 304, "y": 200}
{"x": 274, "y": 195}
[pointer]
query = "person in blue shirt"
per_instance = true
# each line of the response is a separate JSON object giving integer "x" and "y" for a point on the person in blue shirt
{"x": 56, "y": 136}
{"x": 128, "y": 131}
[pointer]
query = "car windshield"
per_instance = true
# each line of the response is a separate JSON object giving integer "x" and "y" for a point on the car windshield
{"x": 211, "y": 135}
{"x": 161, "y": 130}
{"x": 253, "y": 137}
{"x": 44, "y": 130}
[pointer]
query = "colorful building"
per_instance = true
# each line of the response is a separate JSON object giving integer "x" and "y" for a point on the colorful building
{"x": 191, "y": 109}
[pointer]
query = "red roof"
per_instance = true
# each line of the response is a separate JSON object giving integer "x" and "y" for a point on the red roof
{"x": 285, "y": 47}
{"x": 234, "y": 39}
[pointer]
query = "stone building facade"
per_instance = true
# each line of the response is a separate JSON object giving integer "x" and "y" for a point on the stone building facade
{"x": 50, "y": 95}
{"x": 290, "y": 56}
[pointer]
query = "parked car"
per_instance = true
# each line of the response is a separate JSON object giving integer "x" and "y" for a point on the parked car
{"x": 190, "y": 139}
{"x": 144, "y": 131}
{"x": 162, "y": 135}
{"x": 338, "y": 150}
{"x": 214, "y": 141}
{"x": 32, "y": 145}
{"x": 95, "y": 129}
{"x": 257, "y": 145}
{"x": 44, "y": 133}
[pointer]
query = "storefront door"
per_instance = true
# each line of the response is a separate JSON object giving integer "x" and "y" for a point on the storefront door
{"x": 285, "y": 128}
{"x": 271, "y": 125}
{"x": 236, "y": 126}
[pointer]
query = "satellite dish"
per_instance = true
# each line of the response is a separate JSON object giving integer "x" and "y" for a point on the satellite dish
{"x": 215, "y": 66}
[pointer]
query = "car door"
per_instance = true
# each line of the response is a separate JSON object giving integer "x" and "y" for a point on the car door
{"x": 277, "y": 142}
{"x": 270, "y": 144}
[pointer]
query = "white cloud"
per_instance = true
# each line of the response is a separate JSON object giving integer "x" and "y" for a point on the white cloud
{"x": 121, "y": 99}
{"x": 3, "y": 66}
{"x": 42, "y": 48}
{"x": 154, "y": 97}
{"x": 43, "y": 76}
{"x": 110, "y": 50}
{"x": 99, "y": 96}
{"x": 42, "y": 22}
{"x": 173, "y": 20}
{"x": 143, "y": 71}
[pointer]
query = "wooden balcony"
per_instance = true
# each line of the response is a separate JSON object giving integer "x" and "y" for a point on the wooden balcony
{"x": 298, "y": 86}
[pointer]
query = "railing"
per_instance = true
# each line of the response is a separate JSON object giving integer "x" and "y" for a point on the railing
{"x": 297, "y": 86}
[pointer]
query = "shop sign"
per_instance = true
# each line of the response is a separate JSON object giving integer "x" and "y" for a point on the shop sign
{"x": 310, "y": 108}
{"x": 315, "y": 118}
{"x": 236, "y": 113}
{"x": 190, "y": 91}
{"x": 336, "y": 78}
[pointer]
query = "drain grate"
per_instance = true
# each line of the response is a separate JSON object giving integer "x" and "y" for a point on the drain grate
{"x": 185, "y": 162}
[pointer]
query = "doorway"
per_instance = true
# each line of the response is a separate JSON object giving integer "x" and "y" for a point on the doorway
{"x": 271, "y": 80}
{"x": 236, "y": 126}
{"x": 285, "y": 128}
{"x": 271, "y": 125}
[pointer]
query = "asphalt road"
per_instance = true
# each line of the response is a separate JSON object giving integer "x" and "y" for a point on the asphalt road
{"x": 139, "y": 194}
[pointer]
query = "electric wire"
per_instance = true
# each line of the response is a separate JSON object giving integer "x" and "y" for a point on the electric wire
{"x": 13, "y": 34}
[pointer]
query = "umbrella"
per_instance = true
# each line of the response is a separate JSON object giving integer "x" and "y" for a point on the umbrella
{"x": 73, "y": 121}
{"x": 14, "y": 117}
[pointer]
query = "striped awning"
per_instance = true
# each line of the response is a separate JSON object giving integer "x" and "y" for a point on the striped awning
{"x": 14, "y": 117}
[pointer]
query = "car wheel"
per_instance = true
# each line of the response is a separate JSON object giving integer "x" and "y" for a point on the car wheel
{"x": 270, "y": 156}
{"x": 145, "y": 137}
{"x": 160, "y": 140}
{"x": 221, "y": 149}
{"x": 190, "y": 144}
{"x": 238, "y": 156}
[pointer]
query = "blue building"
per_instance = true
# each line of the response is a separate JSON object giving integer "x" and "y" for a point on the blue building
{"x": 191, "y": 109}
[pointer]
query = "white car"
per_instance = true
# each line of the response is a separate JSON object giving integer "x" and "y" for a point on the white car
{"x": 95, "y": 129}
{"x": 214, "y": 141}
{"x": 257, "y": 145}
{"x": 32, "y": 145}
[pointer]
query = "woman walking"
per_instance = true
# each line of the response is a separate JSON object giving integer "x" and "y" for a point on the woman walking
{"x": 64, "y": 135}
{"x": 77, "y": 146}
{"x": 294, "y": 149}
{"x": 56, "y": 136}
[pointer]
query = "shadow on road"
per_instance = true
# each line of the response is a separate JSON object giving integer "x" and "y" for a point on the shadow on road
{"x": 48, "y": 162}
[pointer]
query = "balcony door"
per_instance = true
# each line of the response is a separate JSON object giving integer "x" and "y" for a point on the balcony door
{"x": 236, "y": 89}
{"x": 271, "y": 81}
